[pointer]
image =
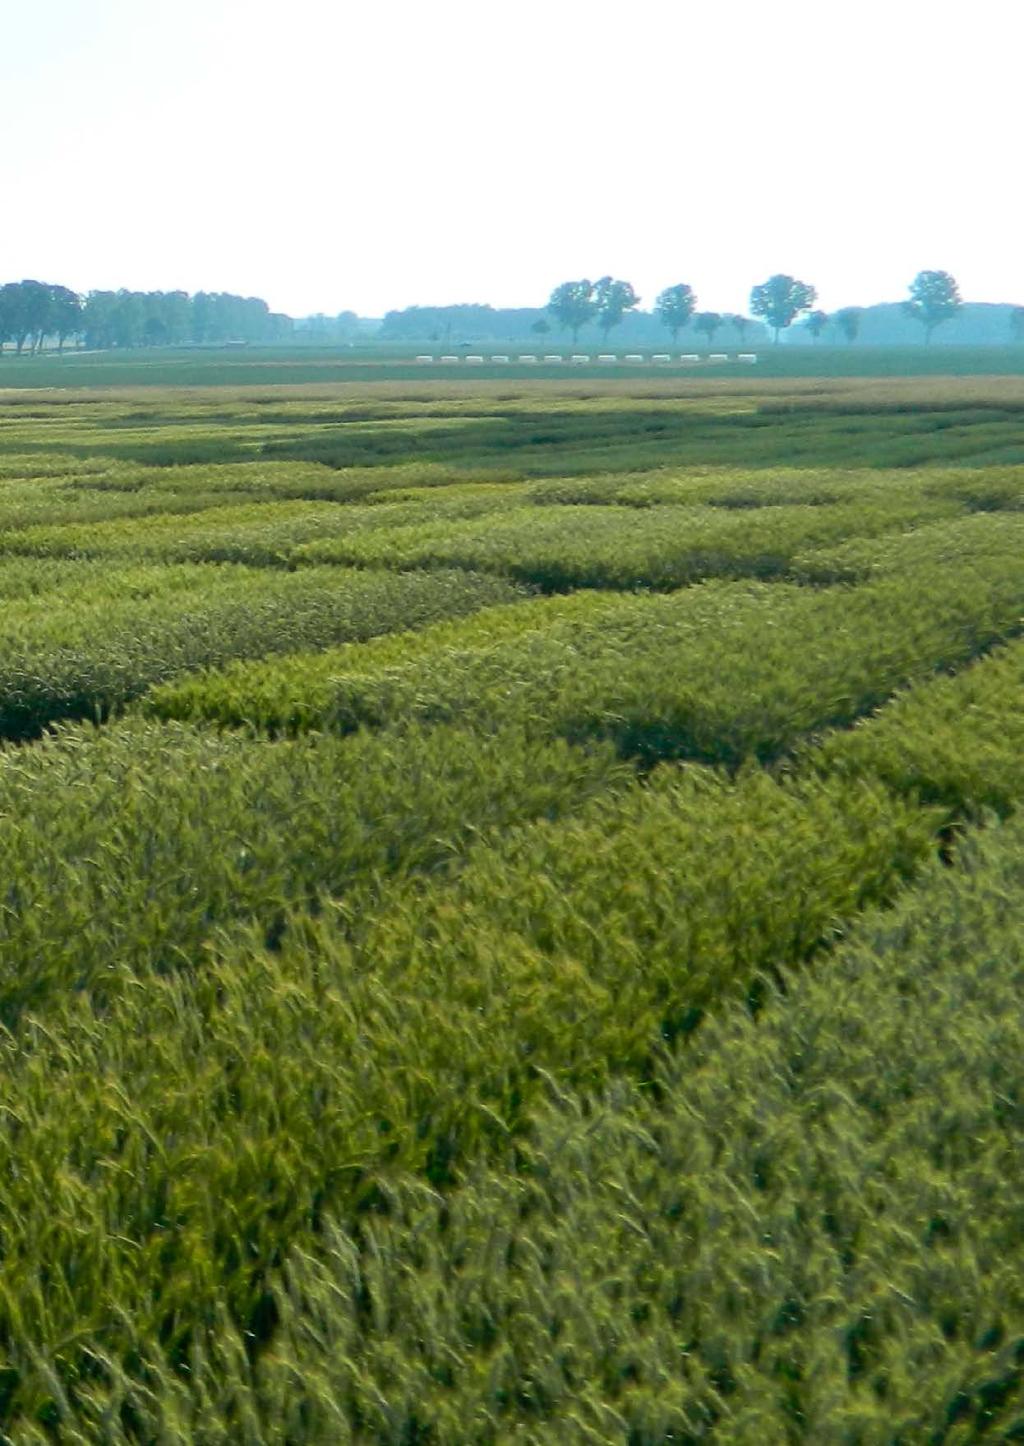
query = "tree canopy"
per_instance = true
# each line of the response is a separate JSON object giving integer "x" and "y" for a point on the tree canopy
{"x": 31, "y": 311}
{"x": 572, "y": 305}
{"x": 708, "y": 322}
{"x": 674, "y": 307}
{"x": 934, "y": 298}
{"x": 780, "y": 300}
{"x": 612, "y": 299}
{"x": 848, "y": 321}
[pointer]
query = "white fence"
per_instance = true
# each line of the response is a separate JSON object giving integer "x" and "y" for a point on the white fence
{"x": 633, "y": 358}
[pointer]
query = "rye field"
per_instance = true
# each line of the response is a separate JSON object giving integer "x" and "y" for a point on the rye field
{"x": 512, "y": 912}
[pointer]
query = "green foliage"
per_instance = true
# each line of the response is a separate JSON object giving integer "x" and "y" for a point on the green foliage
{"x": 934, "y": 298}
{"x": 215, "y": 1101}
{"x": 975, "y": 546}
{"x": 572, "y": 305}
{"x": 83, "y": 641}
{"x": 565, "y": 546}
{"x": 719, "y": 672}
{"x": 956, "y": 741}
{"x": 612, "y": 300}
{"x": 809, "y": 1233}
{"x": 780, "y": 300}
{"x": 848, "y": 319}
{"x": 708, "y": 322}
{"x": 406, "y": 1065}
{"x": 674, "y": 307}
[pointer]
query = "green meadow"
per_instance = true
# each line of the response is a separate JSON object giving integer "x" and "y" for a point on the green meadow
{"x": 511, "y": 903}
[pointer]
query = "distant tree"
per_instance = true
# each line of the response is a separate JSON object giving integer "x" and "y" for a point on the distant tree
{"x": 128, "y": 319}
{"x": 612, "y": 300}
{"x": 176, "y": 314}
{"x": 65, "y": 314}
{"x": 346, "y": 326}
{"x": 848, "y": 321}
{"x": 708, "y": 322}
{"x": 816, "y": 323}
{"x": 572, "y": 305}
{"x": 780, "y": 300}
{"x": 97, "y": 314}
{"x": 934, "y": 298}
{"x": 675, "y": 306}
{"x": 11, "y": 308}
{"x": 540, "y": 327}
{"x": 27, "y": 308}
{"x": 740, "y": 324}
{"x": 1016, "y": 323}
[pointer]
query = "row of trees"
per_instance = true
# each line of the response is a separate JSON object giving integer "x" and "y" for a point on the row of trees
{"x": 777, "y": 302}
{"x": 33, "y": 311}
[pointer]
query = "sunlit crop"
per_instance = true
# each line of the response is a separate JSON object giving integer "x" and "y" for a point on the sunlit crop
{"x": 510, "y": 914}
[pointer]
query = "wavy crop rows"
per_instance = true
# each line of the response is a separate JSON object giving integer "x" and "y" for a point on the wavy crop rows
{"x": 717, "y": 672}
{"x": 442, "y": 1013}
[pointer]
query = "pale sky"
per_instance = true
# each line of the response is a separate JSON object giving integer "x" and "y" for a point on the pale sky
{"x": 327, "y": 154}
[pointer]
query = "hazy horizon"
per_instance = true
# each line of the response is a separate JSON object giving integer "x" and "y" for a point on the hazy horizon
{"x": 329, "y": 158}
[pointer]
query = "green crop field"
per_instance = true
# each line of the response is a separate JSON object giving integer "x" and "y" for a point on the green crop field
{"x": 511, "y": 905}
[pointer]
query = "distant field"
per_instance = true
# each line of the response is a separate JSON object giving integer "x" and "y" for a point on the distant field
{"x": 303, "y": 366}
{"x": 511, "y": 901}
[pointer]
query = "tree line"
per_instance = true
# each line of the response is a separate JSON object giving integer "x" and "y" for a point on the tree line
{"x": 934, "y": 298}
{"x": 32, "y": 312}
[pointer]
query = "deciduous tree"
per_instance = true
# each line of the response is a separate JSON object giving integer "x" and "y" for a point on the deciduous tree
{"x": 848, "y": 321}
{"x": 65, "y": 314}
{"x": 816, "y": 323}
{"x": 780, "y": 300}
{"x": 674, "y": 307}
{"x": 708, "y": 322}
{"x": 572, "y": 305}
{"x": 612, "y": 300}
{"x": 934, "y": 298}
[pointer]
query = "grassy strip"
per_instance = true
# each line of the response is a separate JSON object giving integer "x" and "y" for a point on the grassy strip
{"x": 298, "y": 693}
{"x": 558, "y": 547}
{"x": 87, "y": 654}
{"x": 154, "y": 837}
{"x": 718, "y": 672}
{"x": 813, "y": 1235}
{"x": 956, "y": 741}
{"x": 197, "y": 1113}
{"x": 929, "y": 491}
{"x": 977, "y": 542}
{"x": 261, "y": 534}
{"x": 264, "y": 480}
